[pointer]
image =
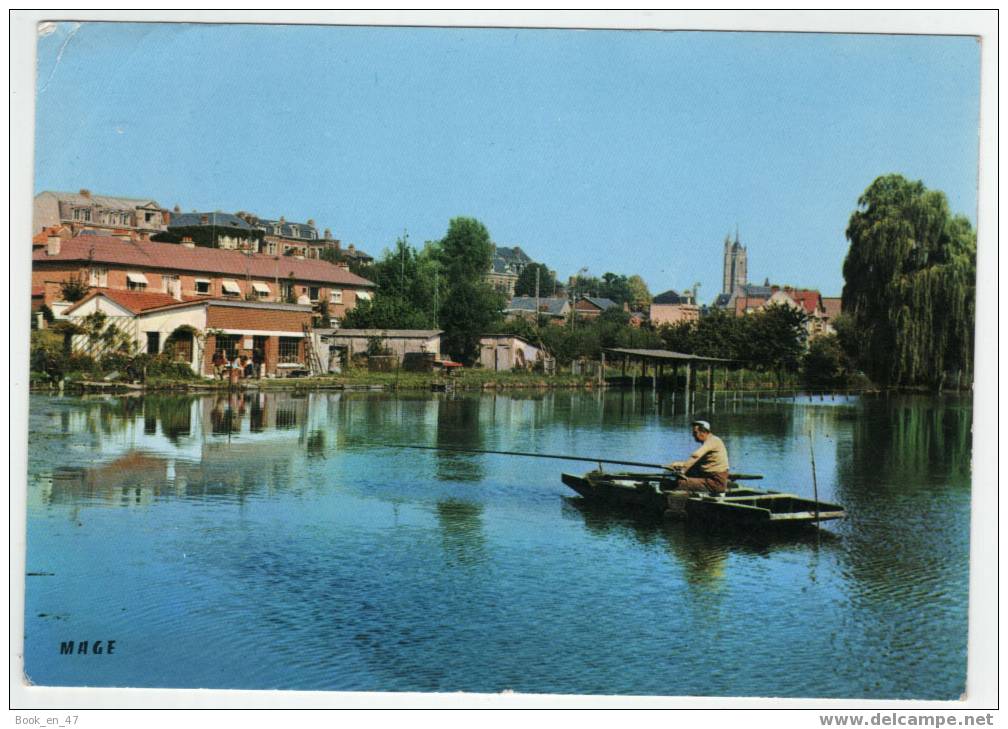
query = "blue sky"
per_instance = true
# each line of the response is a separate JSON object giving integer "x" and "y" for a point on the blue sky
{"x": 624, "y": 151}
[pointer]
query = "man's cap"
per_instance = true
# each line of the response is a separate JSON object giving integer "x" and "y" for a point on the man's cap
{"x": 702, "y": 423}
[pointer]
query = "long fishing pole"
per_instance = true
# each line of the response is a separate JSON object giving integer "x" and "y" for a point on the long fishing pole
{"x": 455, "y": 449}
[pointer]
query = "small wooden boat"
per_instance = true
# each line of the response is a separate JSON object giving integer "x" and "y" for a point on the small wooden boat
{"x": 656, "y": 494}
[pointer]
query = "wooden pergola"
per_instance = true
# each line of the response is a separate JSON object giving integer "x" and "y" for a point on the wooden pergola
{"x": 661, "y": 358}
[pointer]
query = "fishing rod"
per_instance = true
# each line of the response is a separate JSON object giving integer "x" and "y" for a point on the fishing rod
{"x": 733, "y": 476}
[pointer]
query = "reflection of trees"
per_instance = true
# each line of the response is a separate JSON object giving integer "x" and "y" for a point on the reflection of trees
{"x": 458, "y": 426}
{"x": 904, "y": 478}
{"x": 174, "y": 412}
{"x": 462, "y": 531}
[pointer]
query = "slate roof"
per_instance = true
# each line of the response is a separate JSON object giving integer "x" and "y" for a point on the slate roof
{"x": 553, "y": 306}
{"x": 602, "y": 303}
{"x": 285, "y": 229}
{"x": 509, "y": 260}
{"x": 220, "y": 220}
{"x": 670, "y": 297}
{"x": 108, "y": 201}
{"x": 171, "y": 256}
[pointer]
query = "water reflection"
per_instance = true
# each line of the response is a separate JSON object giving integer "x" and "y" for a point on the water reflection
{"x": 458, "y": 426}
{"x": 377, "y": 568}
{"x": 461, "y": 528}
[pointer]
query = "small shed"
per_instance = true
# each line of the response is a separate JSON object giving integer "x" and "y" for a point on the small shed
{"x": 502, "y": 352}
{"x": 345, "y": 343}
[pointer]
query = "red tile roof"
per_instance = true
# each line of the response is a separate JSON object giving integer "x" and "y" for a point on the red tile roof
{"x": 808, "y": 299}
{"x": 136, "y": 301}
{"x": 42, "y": 237}
{"x": 171, "y": 256}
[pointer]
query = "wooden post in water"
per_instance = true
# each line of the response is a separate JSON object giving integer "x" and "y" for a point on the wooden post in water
{"x": 686, "y": 388}
{"x": 710, "y": 385}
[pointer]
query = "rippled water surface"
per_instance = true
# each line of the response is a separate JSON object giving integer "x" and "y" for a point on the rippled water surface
{"x": 273, "y": 541}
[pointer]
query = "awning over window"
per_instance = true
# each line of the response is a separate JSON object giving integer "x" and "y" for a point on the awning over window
{"x": 260, "y": 287}
{"x": 364, "y": 295}
{"x": 203, "y": 280}
{"x": 230, "y": 286}
{"x": 137, "y": 278}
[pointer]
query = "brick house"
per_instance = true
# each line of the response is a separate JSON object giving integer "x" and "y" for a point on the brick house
{"x": 196, "y": 327}
{"x": 185, "y": 271}
{"x": 590, "y": 307}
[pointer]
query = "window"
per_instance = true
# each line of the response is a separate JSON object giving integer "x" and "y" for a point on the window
{"x": 172, "y": 285}
{"x": 153, "y": 342}
{"x": 288, "y": 350}
{"x": 136, "y": 282}
{"x": 336, "y": 296}
{"x": 202, "y": 286}
{"x": 230, "y": 287}
{"x": 229, "y": 343}
{"x": 313, "y": 293}
{"x": 148, "y": 217}
{"x": 262, "y": 291}
{"x": 99, "y": 276}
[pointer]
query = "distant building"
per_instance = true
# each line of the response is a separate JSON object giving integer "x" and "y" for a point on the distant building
{"x": 673, "y": 297}
{"x": 735, "y": 265}
{"x": 185, "y": 270}
{"x": 673, "y": 313}
{"x": 212, "y": 230}
{"x": 508, "y": 263}
{"x": 554, "y": 309}
{"x": 589, "y": 307}
{"x": 832, "y": 308}
{"x": 107, "y": 214}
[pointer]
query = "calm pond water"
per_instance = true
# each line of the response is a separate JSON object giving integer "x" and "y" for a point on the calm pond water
{"x": 274, "y": 542}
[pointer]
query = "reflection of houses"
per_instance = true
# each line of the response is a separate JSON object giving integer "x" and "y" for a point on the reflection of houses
{"x": 159, "y": 323}
{"x": 589, "y": 307}
{"x": 554, "y": 310}
{"x": 105, "y": 214}
{"x": 671, "y": 307}
{"x": 507, "y": 265}
{"x": 184, "y": 270}
{"x": 500, "y": 352}
{"x": 349, "y": 342}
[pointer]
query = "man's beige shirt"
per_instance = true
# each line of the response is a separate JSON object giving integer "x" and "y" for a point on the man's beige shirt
{"x": 710, "y": 457}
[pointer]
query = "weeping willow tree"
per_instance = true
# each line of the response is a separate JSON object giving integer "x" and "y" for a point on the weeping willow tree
{"x": 909, "y": 285}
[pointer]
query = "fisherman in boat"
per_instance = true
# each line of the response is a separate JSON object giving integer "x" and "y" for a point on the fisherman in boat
{"x": 706, "y": 469}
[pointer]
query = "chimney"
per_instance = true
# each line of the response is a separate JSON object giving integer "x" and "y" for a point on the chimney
{"x": 205, "y": 219}
{"x": 282, "y": 219}
{"x": 328, "y": 234}
{"x": 177, "y": 209}
{"x": 187, "y": 241}
{"x": 84, "y": 192}
{"x": 337, "y": 245}
{"x": 53, "y": 245}
{"x": 311, "y": 222}
{"x": 350, "y": 248}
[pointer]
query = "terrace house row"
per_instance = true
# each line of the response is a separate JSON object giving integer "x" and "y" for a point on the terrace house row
{"x": 182, "y": 271}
